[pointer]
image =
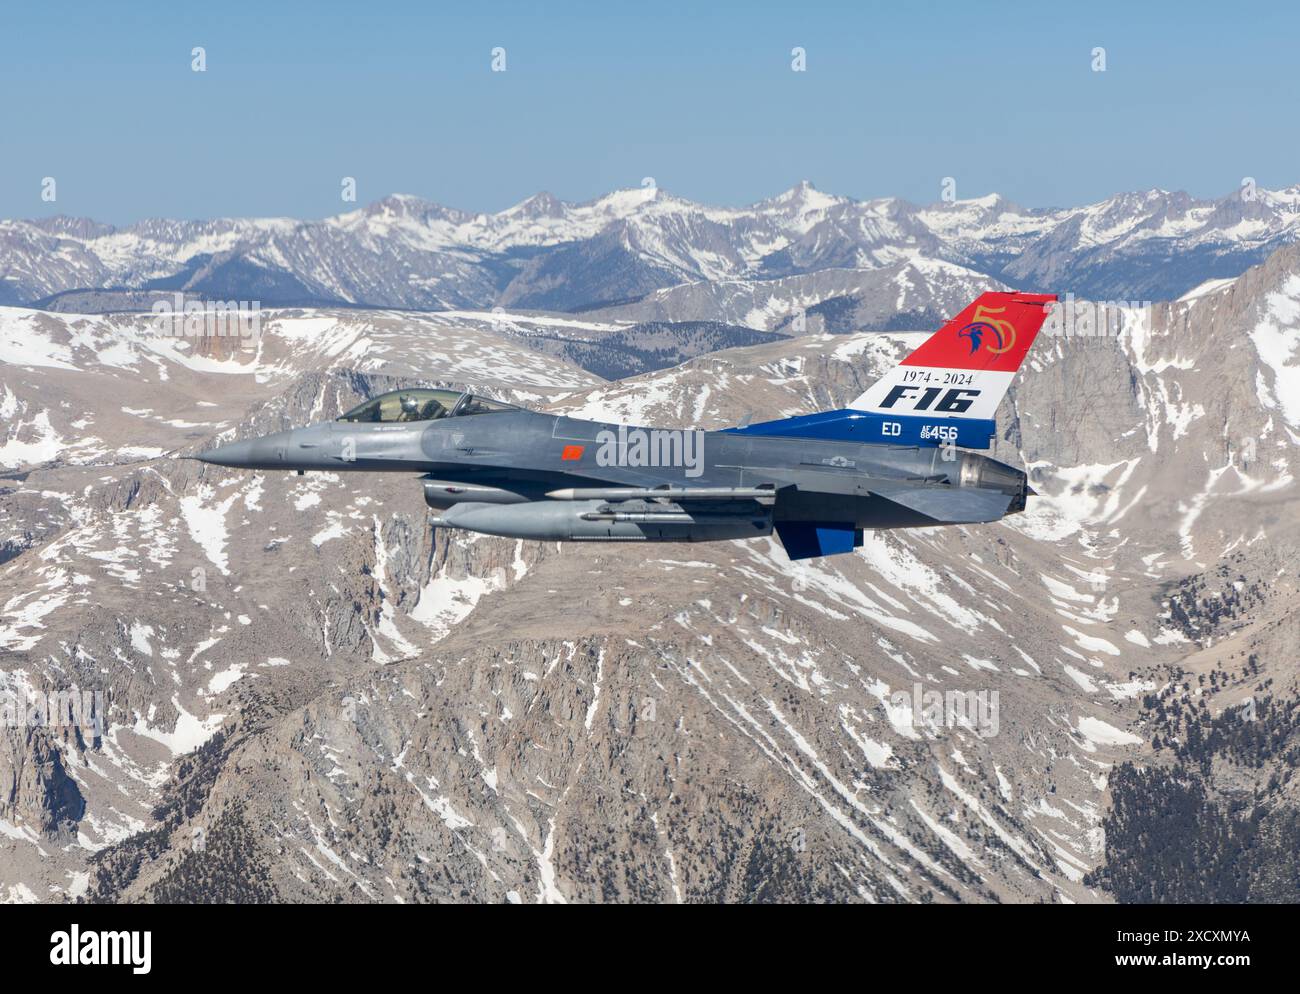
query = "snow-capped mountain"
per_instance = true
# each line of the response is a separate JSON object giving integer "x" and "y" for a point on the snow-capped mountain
{"x": 345, "y": 704}
{"x": 546, "y": 254}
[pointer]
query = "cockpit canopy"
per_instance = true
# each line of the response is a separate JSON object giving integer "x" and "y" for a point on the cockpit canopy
{"x": 420, "y": 404}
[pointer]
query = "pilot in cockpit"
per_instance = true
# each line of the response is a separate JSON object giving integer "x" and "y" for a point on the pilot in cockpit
{"x": 412, "y": 410}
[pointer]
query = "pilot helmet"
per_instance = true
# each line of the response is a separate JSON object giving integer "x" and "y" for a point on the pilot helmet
{"x": 410, "y": 405}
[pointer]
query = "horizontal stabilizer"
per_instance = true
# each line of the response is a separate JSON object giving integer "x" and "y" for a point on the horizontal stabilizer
{"x": 808, "y": 539}
{"x": 949, "y": 505}
{"x": 764, "y": 495}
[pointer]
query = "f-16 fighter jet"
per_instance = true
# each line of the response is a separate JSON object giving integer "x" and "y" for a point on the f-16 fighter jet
{"x": 897, "y": 457}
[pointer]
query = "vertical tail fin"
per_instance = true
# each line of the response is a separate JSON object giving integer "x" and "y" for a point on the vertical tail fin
{"x": 963, "y": 369}
{"x": 946, "y": 392}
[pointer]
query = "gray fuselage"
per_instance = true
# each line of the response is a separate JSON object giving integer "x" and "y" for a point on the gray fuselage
{"x": 516, "y": 456}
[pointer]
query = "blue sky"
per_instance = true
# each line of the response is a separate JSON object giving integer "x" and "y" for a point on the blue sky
{"x": 597, "y": 96}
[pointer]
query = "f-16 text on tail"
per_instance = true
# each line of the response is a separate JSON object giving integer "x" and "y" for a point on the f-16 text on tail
{"x": 893, "y": 459}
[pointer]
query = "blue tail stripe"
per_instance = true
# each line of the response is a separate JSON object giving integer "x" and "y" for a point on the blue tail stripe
{"x": 848, "y": 425}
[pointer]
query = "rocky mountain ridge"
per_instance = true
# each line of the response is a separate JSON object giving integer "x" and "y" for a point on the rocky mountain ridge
{"x": 311, "y": 695}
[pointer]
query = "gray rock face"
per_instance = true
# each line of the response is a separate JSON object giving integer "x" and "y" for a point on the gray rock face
{"x": 311, "y": 694}
{"x": 39, "y": 792}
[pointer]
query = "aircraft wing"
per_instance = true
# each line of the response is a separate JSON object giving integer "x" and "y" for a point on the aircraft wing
{"x": 948, "y": 505}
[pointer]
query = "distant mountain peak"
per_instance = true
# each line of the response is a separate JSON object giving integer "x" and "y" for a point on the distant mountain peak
{"x": 543, "y": 204}
{"x": 987, "y": 202}
{"x": 801, "y": 189}
{"x": 406, "y": 205}
{"x": 803, "y": 196}
{"x": 399, "y": 202}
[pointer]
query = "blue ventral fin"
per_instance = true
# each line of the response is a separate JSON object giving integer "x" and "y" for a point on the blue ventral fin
{"x": 808, "y": 539}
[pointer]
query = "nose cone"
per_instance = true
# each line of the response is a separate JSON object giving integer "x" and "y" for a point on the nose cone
{"x": 251, "y": 453}
{"x": 301, "y": 448}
